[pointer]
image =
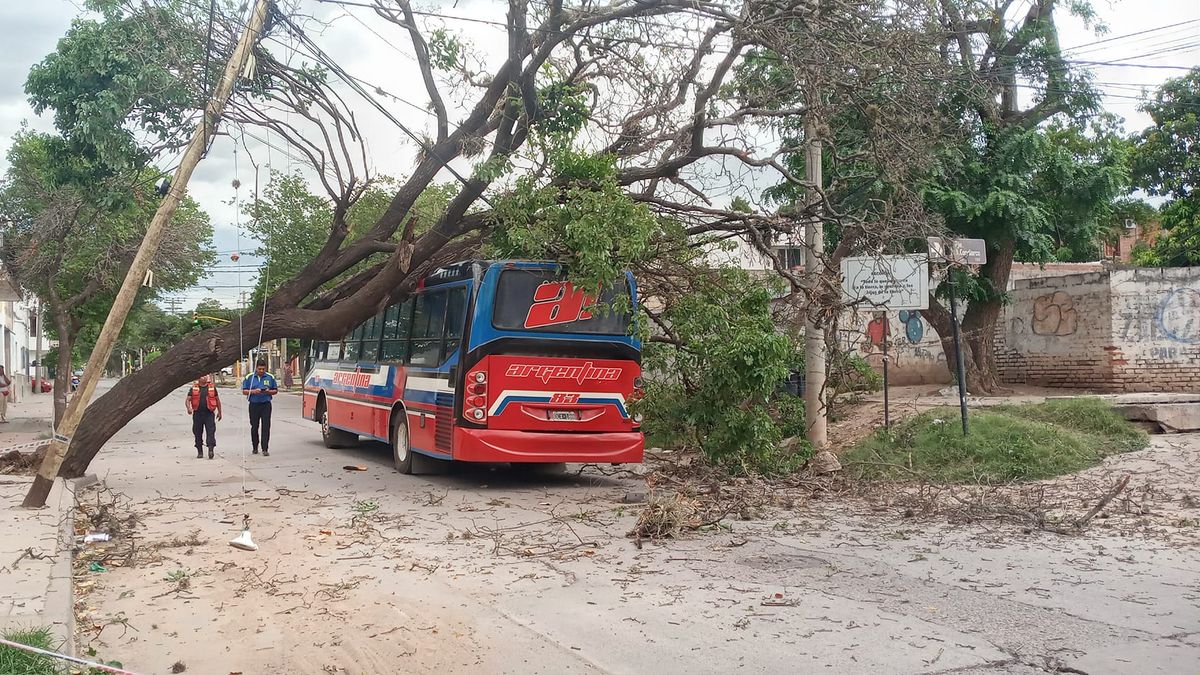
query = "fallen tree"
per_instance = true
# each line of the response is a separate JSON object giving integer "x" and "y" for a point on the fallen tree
{"x": 626, "y": 109}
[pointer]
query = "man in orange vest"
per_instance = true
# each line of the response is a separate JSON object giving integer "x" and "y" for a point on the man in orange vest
{"x": 204, "y": 406}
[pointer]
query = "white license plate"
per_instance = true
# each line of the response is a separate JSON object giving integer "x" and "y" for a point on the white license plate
{"x": 564, "y": 416}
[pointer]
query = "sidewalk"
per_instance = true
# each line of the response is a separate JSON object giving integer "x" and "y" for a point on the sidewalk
{"x": 35, "y": 560}
{"x": 28, "y": 420}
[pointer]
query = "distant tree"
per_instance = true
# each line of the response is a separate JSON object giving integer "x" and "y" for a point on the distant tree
{"x": 291, "y": 222}
{"x": 1167, "y": 164}
{"x": 71, "y": 230}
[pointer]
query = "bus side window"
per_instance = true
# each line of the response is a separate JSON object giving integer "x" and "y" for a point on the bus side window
{"x": 456, "y": 316}
{"x": 397, "y": 329}
{"x": 427, "y": 328}
{"x": 333, "y": 350}
{"x": 353, "y": 345}
{"x": 371, "y": 336}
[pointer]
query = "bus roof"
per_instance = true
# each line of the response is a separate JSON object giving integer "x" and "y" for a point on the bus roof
{"x": 466, "y": 269}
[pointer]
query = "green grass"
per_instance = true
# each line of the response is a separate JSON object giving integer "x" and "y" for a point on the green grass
{"x": 1007, "y": 443}
{"x": 18, "y": 662}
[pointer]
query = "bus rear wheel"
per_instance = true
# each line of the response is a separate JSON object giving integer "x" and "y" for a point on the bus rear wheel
{"x": 402, "y": 455}
{"x": 334, "y": 438}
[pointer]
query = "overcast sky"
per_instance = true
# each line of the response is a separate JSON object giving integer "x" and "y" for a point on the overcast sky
{"x": 30, "y": 30}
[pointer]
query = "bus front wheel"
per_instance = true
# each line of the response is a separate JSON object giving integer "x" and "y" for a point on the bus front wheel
{"x": 402, "y": 456}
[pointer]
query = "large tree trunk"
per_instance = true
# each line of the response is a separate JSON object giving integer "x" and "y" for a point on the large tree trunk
{"x": 62, "y": 377}
{"x": 978, "y": 326}
{"x": 199, "y": 354}
{"x": 216, "y": 348}
{"x": 202, "y": 353}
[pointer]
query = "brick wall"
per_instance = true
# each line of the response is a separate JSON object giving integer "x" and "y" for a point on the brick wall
{"x": 1119, "y": 330}
{"x": 1156, "y": 329}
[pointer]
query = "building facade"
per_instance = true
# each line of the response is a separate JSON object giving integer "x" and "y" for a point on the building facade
{"x": 18, "y": 337}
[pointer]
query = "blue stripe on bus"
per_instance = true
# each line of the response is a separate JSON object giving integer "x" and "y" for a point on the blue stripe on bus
{"x": 442, "y": 399}
{"x": 545, "y": 398}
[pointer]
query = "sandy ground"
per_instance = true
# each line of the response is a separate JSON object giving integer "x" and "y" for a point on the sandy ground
{"x": 489, "y": 571}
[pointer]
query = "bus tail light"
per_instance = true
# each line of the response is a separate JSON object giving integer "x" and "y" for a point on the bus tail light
{"x": 475, "y": 408}
{"x": 639, "y": 391}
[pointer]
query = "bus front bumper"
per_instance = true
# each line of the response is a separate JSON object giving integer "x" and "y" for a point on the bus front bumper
{"x": 495, "y": 445}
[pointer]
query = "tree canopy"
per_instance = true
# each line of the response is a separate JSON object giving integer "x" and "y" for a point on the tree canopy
{"x": 71, "y": 233}
{"x": 1167, "y": 164}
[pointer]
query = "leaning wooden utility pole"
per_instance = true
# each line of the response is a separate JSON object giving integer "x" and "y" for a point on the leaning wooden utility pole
{"x": 40, "y": 489}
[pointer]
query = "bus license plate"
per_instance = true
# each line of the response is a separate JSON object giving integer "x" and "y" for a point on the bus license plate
{"x": 564, "y": 416}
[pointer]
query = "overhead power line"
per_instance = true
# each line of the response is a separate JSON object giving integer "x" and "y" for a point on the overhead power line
{"x": 1126, "y": 36}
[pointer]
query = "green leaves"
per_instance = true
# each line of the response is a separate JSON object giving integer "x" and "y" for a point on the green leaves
{"x": 123, "y": 86}
{"x": 1049, "y": 190}
{"x": 445, "y": 50}
{"x": 1166, "y": 163}
{"x": 718, "y": 388}
{"x": 71, "y": 230}
{"x": 582, "y": 218}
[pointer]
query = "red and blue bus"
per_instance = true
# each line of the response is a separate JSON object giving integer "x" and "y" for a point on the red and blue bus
{"x": 487, "y": 362}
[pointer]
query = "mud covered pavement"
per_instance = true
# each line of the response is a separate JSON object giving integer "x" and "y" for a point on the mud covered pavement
{"x": 487, "y": 570}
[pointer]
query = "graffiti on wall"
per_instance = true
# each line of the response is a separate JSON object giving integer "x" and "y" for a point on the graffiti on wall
{"x": 909, "y": 343}
{"x": 1054, "y": 315}
{"x": 914, "y": 328}
{"x": 877, "y": 330}
{"x": 1178, "y": 317}
{"x": 1175, "y": 318}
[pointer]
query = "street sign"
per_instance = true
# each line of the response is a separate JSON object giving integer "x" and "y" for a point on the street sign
{"x": 887, "y": 282}
{"x": 961, "y": 251}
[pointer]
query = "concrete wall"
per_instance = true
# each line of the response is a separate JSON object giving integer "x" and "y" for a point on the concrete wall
{"x": 1120, "y": 330}
{"x": 915, "y": 350}
{"x": 1156, "y": 329}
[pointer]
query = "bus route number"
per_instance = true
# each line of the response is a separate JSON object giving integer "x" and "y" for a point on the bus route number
{"x": 557, "y": 303}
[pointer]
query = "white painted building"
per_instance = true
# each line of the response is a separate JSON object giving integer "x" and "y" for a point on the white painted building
{"x": 18, "y": 337}
{"x": 742, "y": 254}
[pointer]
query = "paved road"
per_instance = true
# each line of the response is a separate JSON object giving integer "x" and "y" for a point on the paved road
{"x": 484, "y": 570}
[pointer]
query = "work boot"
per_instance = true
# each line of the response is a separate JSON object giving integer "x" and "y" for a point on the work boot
{"x": 254, "y": 451}
{"x": 199, "y": 453}
{"x": 266, "y": 453}
{"x": 211, "y": 454}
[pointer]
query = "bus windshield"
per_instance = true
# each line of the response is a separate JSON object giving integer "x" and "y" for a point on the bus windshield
{"x": 542, "y": 301}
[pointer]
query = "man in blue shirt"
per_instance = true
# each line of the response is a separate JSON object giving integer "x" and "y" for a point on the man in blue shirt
{"x": 259, "y": 387}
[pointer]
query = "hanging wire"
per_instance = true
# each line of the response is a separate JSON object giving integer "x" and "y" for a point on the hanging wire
{"x": 237, "y": 225}
{"x": 266, "y": 278}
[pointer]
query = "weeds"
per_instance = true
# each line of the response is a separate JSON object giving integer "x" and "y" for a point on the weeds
{"x": 13, "y": 660}
{"x": 364, "y": 510}
{"x": 181, "y": 578}
{"x": 1007, "y": 443}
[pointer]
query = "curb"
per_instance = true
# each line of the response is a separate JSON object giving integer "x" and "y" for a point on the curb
{"x": 60, "y": 594}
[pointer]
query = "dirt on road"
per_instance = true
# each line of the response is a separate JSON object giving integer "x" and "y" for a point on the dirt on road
{"x": 487, "y": 570}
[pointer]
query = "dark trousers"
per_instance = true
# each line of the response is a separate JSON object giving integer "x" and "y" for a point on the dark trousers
{"x": 260, "y": 413}
{"x": 204, "y": 421}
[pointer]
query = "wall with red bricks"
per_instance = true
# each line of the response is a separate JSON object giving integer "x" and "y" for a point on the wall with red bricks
{"x": 1118, "y": 330}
